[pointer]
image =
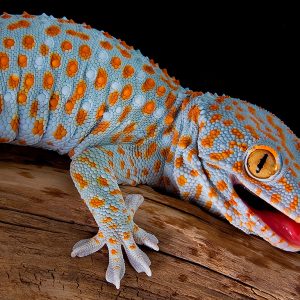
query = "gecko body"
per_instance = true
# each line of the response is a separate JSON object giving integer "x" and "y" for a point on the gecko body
{"x": 78, "y": 91}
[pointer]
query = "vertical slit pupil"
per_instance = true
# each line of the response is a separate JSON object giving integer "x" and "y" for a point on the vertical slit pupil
{"x": 261, "y": 163}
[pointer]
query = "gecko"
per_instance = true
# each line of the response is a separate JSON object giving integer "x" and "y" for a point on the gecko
{"x": 124, "y": 121}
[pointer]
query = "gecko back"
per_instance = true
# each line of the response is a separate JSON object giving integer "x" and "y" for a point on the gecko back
{"x": 59, "y": 79}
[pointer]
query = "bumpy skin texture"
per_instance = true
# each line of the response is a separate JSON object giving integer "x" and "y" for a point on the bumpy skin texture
{"x": 123, "y": 120}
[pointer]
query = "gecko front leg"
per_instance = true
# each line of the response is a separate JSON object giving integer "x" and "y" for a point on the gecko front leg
{"x": 93, "y": 175}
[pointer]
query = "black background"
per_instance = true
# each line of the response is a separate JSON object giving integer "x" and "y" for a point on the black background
{"x": 243, "y": 50}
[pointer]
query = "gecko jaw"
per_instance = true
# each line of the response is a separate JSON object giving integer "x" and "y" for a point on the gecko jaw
{"x": 280, "y": 224}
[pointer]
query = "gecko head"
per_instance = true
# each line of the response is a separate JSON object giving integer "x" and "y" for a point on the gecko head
{"x": 252, "y": 162}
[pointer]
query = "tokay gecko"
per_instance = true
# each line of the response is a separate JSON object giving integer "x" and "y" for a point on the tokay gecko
{"x": 123, "y": 120}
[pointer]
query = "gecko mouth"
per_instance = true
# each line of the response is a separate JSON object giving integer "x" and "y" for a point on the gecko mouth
{"x": 282, "y": 225}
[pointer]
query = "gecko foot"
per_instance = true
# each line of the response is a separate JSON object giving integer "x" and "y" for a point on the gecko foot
{"x": 127, "y": 237}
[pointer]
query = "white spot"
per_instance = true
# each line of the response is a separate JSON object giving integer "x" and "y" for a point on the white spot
{"x": 119, "y": 109}
{"x": 66, "y": 90}
{"x": 49, "y": 42}
{"x": 107, "y": 116}
{"x": 8, "y": 97}
{"x": 103, "y": 56}
{"x": 141, "y": 76}
{"x": 91, "y": 75}
{"x": 158, "y": 112}
{"x": 86, "y": 105}
{"x": 39, "y": 61}
{"x": 43, "y": 99}
{"x": 139, "y": 100}
{"x": 116, "y": 86}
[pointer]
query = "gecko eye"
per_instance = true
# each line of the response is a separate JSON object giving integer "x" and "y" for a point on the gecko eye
{"x": 262, "y": 162}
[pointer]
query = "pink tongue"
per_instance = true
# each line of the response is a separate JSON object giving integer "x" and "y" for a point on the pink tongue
{"x": 285, "y": 227}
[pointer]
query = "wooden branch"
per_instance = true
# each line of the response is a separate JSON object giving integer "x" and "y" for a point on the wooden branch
{"x": 201, "y": 257}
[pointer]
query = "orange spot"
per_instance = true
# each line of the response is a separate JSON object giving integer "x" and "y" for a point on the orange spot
{"x": 106, "y": 45}
{"x": 151, "y": 130}
{"x": 22, "y": 98}
{"x": 53, "y": 101}
{"x": 132, "y": 247}
{"x": 18, "y": 25}
{"x": 113, "y": 98}
{"x": 209, "y": 140}
{"x": 179, "y": 162}
{"x": 113, "y": 251}
{"x": 126, "y": 235}
{"x": 85, "y": 52}
{"x": 128, "y": 71}
{"x": 8, "y": 43}
{"x": 148, "y": 69}
{"x": 44, "y": 50}
{"x": 96, "y": 202}
{"x": 238, "y": 166}
{"x": 80, "y": 180}
{"x": 115, "y": 192}
{"x": 81, "y": 116}
{"x": 22, "y": 60}
{"x": 161, "y": 90}
{"x": 181, "y": 180}
{"x": 129, "y": 128}
{"x": 221, "y": 155}
{"x": 194, "y": 114}
{"x": 214, "y": 107}
{"x": 227, "y": 122}
{"x": 72, "y": 68}
{"x": 171, "y": 98}
{"x": 107, "y": 220}
{"x": 4, "y": 61}
{"x": 194, "y": 173}
{"x": 66, "y": 46}
{"x": 115, "y": 62}
{"x": 184, "y": 141}
{"x": 48, "y": 81}
{"x": 100, "y": 111}
{"x": 148, "y": 85}
{"x": 28, "y": 42}
{"x": 101, "y": 79}
{"x": 122, "y": 164}
{"x": 126, "y": 92}
{"x": 14, "y": 123}
{"x": 87, "y": 161}
{"x": 34, "y": 109}
{"x": 28, "y": 81}
{"x": 55, "y": 60}
{"x": 221, "y": 185}
{"x": 101, "y": 127}
{"x": 150, "y": 150}
{"x": 124, "y": 113}
{"x": 275, "y": 198}
{"x": 215, "y": 118}
{"x": 252, "y": 131}
{"x": 125, "y": 53}
{"x": 52, "y": 30}
{"x": 113, "y": 208}
{"x": 60, "y": 132}
{"x": 236, "y": 132}
{"x": 38, "y": 127}
{"x": 240, "y": 117}
{"x": 102, "y": 181}
{"x": 13, "y": 81}
{"x": 148, "y": 107}
{"x": 157, "y": 166}
{"x": 294, "y": 203}
{"x": 80, "y": 35}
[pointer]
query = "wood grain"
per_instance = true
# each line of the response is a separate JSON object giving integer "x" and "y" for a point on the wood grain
{"x": 201, "y": 257}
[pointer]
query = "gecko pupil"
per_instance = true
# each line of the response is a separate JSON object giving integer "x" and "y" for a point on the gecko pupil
{"x": 261, "y": 163}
